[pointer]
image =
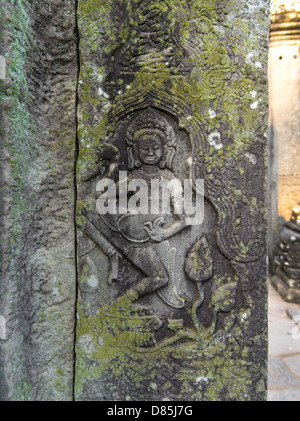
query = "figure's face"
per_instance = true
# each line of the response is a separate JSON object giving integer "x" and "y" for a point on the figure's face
{"x": 150, "y": 149}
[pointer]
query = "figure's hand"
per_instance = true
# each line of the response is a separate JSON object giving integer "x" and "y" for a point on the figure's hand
{"x": 154, "y": 229}
{"x": 109, "y": 152}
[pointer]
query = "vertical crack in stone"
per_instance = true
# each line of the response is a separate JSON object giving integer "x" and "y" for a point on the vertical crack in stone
{"x": 75, "y": 191}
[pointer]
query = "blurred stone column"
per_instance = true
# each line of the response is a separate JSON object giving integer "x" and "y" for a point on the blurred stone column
{"x": 284, "y": 76}
{"x": 287, "y": 259}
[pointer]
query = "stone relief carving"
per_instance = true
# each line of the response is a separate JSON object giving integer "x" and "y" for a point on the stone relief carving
{"x": 161, "y": 268}
{"x": 148, "y": 303}
{"x": 171, "y": 259}
{"x": 185, "y": 292}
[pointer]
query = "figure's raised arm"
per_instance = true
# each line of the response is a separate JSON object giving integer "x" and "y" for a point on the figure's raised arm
{"x": 108, "y": 161}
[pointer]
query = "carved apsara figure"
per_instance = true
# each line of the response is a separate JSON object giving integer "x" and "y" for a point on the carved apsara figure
{"x": 151, "y": 143}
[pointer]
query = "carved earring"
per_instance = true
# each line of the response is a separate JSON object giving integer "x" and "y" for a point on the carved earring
{"x": 130, "y": 158}
{"x": 163, "y": 160}
{"x": 136, "y": 161}
{"x": 167, "y": 159}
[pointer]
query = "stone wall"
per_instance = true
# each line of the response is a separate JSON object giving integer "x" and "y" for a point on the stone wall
{"x": 38, "y": 150}
{"x": 103, "y": 311}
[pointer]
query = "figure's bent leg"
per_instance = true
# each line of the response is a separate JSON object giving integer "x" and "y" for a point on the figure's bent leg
{"x": 144, "y": 258}
{"x": 106, "y": 246}
{"x": 150, "y": 264}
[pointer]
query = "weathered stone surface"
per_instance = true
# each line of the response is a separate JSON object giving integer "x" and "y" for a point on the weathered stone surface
{"x": 281, "y": 376}
{"x": 166, "y": 314}
{"x": 166, "y": 309}
{"x": 38, "y": 276}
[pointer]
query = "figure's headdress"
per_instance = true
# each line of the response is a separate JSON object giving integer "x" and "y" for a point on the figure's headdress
{"x": 151, "y": 122}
